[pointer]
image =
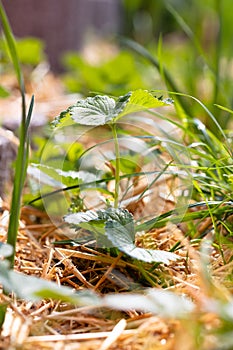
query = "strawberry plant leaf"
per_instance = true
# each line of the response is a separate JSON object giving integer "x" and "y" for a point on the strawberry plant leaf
{"x": 43, "y": 178}
{"x": 99, "y": 215}
{"x": 81, "y": 217}
{"x": 102, "y": 109}
{"x": 94, "y": 221}
{"x": 118, "y": 227}
{"x": 140, "y": 100}
{"x": 120, "y": 231}
{"x": 57, "y": 177}
{"x": 119, "y": 214}
{"x": 63, "y": 119}
{"x": 97, "y": 110}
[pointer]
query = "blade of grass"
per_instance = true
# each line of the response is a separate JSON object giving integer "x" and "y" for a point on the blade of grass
{"x": 88, "y": 185}
{"x": 189, "y": 32}
{"x": 22, "y": 156}
{"x": 171, "y": 216}
{"x": 215, "y": 69}
{"x": 224, "y": 108}
{"x": 218, "y": 51}
{"x": 210, "y": 114}
{"x": 19, "y": 178}
{"x": 168, "y": 79}
{"x": 11, "y": 46}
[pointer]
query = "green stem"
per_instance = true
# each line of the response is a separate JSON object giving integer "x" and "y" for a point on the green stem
{"x": 117, "y": 170}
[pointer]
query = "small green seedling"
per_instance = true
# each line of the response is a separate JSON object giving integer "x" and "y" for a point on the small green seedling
{"x": 116, "y": 224}
{"x": 104, "y": 110}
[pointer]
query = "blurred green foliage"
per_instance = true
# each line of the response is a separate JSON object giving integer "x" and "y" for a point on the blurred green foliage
{"x": 115, "y": 76}
{"x": 30, "y": 51}
{"x": 144, "y": 19}
{"x": 193, "y": 41}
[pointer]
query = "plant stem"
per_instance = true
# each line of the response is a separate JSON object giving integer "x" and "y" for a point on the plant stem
{"x": 117, "y": 170}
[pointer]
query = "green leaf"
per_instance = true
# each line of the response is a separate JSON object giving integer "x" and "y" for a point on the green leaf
{"x": 119, "y": 230}
{"x": 122, "y": 236}
{"x": 116, "y": 76}
{"x": 34, "y": 289}
{"x": 140, "y": 100}
{"x": 224, "y": 108}
{"x": 91, "y": 222}
{"x": 98, "y": 110}
{"x": 101, "y": 110}
{"x": 57, "y": 177}
{"x": 63, "y": 119}
{"x": 11, "y": 45}
{"x": 43, "y": 178}
{"x": 3, "y": 308}
{"x": 94, "y": 221}
{"x": 157, "y": 301}
{"x": 81, "y": 217}
{"x": 103, "y": 215}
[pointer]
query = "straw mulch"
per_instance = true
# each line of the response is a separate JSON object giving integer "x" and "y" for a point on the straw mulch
{"x": 54, "y": 325}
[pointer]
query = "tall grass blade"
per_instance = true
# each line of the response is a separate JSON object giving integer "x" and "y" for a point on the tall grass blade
{"x": 212, "y": 117}
{"x": 22, "y": 156}
{"x": 188, "y": 31}
{"x": 218, "y": 51}
{"x": 165, "y": 74}
{"x": 171, "y": 216}
{"x": 13, "y": 54}
{"x": 11, "y": 45}
{"x": 19, "y": 178}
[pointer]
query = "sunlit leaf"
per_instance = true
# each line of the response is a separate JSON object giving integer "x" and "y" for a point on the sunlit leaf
{"x": 31, "y": 50}
{"x": 118, "y": 226}
{"x": 58, "y": 177}
{"x": 81, "y": 217}
{"x": 97, "y": 110}
{"x": 140, "y": 100}
{"x": 102, "y": 109}
{"x": 43, "y": 178}
{"x": 122, "y": 236}
{"x": 63, "y": 119}
{"x": 115, "y": 76}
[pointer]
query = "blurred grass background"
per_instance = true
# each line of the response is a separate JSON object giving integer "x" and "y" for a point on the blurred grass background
{"x": 190, "y": 39}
